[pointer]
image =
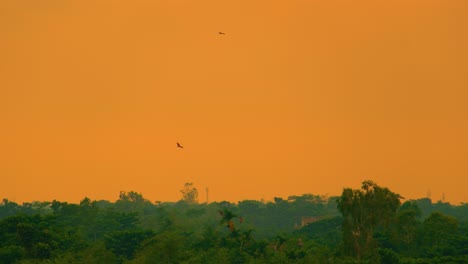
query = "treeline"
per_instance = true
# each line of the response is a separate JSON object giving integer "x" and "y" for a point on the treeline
{"x": 367, "y": 225}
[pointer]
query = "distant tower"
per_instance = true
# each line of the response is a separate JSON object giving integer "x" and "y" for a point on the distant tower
{"x": 443, "y": 197}
{"x": 207, "y": 196}
{"x": 429, "y": 194}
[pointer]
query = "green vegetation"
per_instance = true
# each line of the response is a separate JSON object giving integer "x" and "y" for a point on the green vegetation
{"x": 367, "y": 225}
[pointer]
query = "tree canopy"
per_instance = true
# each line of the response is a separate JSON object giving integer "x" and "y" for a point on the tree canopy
{"x": 368, "y": 225}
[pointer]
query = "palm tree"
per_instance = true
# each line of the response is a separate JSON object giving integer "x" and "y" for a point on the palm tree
{"x": 226, "y": 219}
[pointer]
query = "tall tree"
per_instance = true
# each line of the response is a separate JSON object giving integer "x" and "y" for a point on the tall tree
{"x": 227, "y": 218}
{"x": 364, "y": 211}
{"x": 404, "y": 231}
{"x": 439, "y": 231}
{"x": 131, "y": 201}
{"x": 189, "y": 193}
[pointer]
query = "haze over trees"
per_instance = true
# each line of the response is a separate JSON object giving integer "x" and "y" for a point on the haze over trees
{"x": 364, "y": 211}
{"x": 366, "y": 225}
{"x": 189, "y": 193}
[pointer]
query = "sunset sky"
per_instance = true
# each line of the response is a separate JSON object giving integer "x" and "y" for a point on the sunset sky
{"x": 299, "y": 96}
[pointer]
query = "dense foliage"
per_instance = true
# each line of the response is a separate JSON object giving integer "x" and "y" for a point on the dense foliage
{"x": 368, "y": 225}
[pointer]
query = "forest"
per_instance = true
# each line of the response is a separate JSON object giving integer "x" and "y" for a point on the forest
{"x": 367, "y": 225}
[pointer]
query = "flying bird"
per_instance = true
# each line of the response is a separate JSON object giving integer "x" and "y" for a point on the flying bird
{"x": 221, "y": 33}
{"x": 179, "y": 146}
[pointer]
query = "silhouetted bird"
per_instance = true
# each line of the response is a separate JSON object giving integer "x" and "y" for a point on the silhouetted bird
{"x": 179, "y": 146}
{"x": 221, "y": 33}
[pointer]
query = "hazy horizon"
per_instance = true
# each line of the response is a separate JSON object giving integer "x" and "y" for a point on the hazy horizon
{"x": 203, "y": 199}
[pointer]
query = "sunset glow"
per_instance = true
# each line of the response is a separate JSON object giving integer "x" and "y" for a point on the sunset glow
{"x": 298, "y": 96}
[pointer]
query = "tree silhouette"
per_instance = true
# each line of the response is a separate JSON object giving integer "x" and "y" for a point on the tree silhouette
{"x": 227, "y": 219}
{"x": 189, "y": 193}
{"x": 363, "y": 212}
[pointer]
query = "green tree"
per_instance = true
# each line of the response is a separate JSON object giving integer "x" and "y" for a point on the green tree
{"x": 438, "y": 231}
{"x": 227, "y": 218}
{"x": 131, "y": 202}
{"x": 33, "y": 233}
{"x": 11, "y": 254}
{"x": 97, "y": 254}
{"x": 189, "y": 193}
{"x": 8, "y": 208}
{"x": 125, "y": 243}
{"x": 167, "y": 247}
{"x": 364, "y": 211}
{"x": 404, "y": 231}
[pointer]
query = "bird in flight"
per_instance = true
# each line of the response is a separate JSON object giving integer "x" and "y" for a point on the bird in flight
{"x": 221, "y": 33}
{"x": 179, "y": 146}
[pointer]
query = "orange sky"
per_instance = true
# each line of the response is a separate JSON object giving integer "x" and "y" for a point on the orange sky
{"x": 299, "y": 96}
